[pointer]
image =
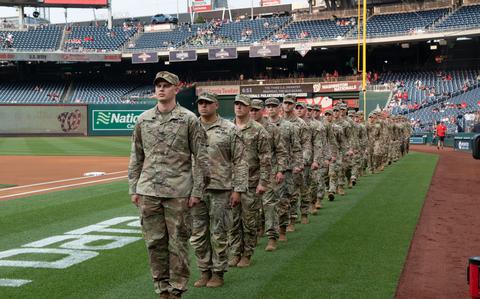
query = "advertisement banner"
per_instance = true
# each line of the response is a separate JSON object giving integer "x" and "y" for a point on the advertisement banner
{"x": 224, "y": 90}
{"x": 114, "y": 119}
{"x": 70, "y": 57}
{"x": 43, "y": 120}
{"x": 222, "y": 53}
{"x": 270, "y": 2}
{"x": 338, "y": 86}
{"x": 77, "y": 2}
{"x": 200, "y": 5}
{"x": 150, "y": 57}
{"x": 179, "y": 56}
{"x": 277, "y": 90}
{"x": 264, "y": 51}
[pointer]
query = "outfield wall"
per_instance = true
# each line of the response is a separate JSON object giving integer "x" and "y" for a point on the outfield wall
{"x": 43, "y": 120}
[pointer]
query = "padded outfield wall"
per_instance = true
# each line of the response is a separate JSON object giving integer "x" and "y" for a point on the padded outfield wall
{"x": 43, "y": 120}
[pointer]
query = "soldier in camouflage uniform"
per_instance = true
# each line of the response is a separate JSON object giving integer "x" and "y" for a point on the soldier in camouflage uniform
{"x": 271, "y": 197}
{"x": 361, "y": 163}
{"x": 321, "y": 160}
{"x": 212, "y": 217}
{"x": 334, "y": 135}
{"x": 298, "y": 179}
{"x": 163, "y": 186}
{"x": 302, "y": 111}
{"x": 291, "y": 138}
{"x": 243, "y": 235}
{"x": 377, "y": 142}
{"x": 344, "y": 146}
{"x": 353, "y": 171}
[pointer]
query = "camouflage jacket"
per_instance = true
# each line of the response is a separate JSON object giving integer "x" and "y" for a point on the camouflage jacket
{"x": 334, "y": 138}
{"x": 343, "y": 136}
{"x": 259, "y": 154}
{"x": 278, "y": 147}
{"x": 228, "y": 167}
{"x": 305, "y": 137}
{"x": 362, "y": 136}
{"x": 291, "y": 139}
{"x": 321, "y": 150}
{"x": 161, "y": 155}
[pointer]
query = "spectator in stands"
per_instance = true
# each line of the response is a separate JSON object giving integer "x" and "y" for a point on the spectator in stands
{"x": 440, "y": 132}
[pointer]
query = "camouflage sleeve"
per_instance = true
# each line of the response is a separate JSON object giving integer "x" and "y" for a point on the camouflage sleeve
{"x": 240, "y": 165}
{"x": 280, "y": 151}
{"x": 320, "y": 147}
{"x": 296, "y": 146}
{"x": 264, "y": 157}
{"x": 307, "y": 144}
{"x": 137, "y": 157}
{"x": 333, "y": 143}
{"x": 198, "y": 145}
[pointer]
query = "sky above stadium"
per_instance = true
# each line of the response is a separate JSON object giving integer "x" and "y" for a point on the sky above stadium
{"x": 128, "y": 8}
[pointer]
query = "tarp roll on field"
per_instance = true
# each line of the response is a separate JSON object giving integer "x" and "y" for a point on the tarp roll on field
{"x": 43, "y": 120}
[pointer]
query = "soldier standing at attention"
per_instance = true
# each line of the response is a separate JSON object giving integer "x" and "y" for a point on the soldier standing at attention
{"x": 163, "y": 185}
{"x": 243, "y": 235}
{"x": 271, "y": 197}
{"x": 212, "y": 217}
{"x": 291, "y": 138}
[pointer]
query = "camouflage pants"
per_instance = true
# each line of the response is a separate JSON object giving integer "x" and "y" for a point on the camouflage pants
{"x": 211, "y": 221}
{"x": 344, "y": 169}
{"x": 295, "y": 196}
{"x": 378, "y": 158}
{"x": 306, "y": 190}
{"x": 270, "y": 201}
{"x": 334, "y": 170}
{"x": 242, "y": 237}
{"x": 357, "y": 165}
{"x": 165, "y": 226}
{"x": 284, "y": 191}
{"x": 320, "y": 182}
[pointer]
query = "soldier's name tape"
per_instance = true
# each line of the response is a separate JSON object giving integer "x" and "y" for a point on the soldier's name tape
{"x": 75, "y": 246}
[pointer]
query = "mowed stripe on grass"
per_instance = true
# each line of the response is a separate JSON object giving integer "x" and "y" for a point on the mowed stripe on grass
{"x": 65, "y": 146}
{"x": 355, "y": 247}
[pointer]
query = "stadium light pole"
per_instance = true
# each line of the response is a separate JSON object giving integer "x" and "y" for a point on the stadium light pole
{"x": 364, "y": 67}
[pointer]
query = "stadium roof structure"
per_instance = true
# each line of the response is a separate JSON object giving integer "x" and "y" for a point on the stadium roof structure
{"x": 57, "y": 3}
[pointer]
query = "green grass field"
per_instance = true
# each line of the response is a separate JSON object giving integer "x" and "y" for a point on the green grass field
{"x": 61, "y": 146}
{"x": 355, "y": 247}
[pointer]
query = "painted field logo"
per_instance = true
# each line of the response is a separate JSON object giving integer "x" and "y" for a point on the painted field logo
{"x": 71, "y": 248}
{"x": 117, "y": 120}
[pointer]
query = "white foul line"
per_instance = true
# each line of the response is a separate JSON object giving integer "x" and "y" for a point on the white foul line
{"x": 59, "y": 181}
{"x": 13, "y": 282}
{"x": 63, "y": 186}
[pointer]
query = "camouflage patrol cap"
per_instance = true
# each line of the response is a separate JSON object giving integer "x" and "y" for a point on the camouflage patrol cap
{"x": 243, "y": 99}
{"x": 272, "y": 101}
{"x": 343, "y": 107}
{"x": 166, "y": 76}
{"x": 359, "y": 113}
{"x": 328, "y": 111}
{"x": 316, "y": 107}
{"x": 289, "y": 98}
{"x": 335, "y": 108}
{"x": 208, "y": 96}
{"x": 302, "y": 104}
{"x": 309, "y": 107}
{"x": 351, "y": 113}
{"x": 257, "y": 104}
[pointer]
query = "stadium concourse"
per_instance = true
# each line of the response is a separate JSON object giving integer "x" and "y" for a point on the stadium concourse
{"x": 70, "y": 95}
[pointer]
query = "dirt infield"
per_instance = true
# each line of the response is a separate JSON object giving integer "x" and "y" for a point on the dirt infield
{"x": 447, "y": 232}
{"x": 41, "y": 174}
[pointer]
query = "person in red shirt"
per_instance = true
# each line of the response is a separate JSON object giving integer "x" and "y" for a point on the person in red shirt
{"x": 440, "y": 132}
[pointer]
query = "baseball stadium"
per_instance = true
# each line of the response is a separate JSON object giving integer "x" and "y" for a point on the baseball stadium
{"x": 240, "y": 149}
